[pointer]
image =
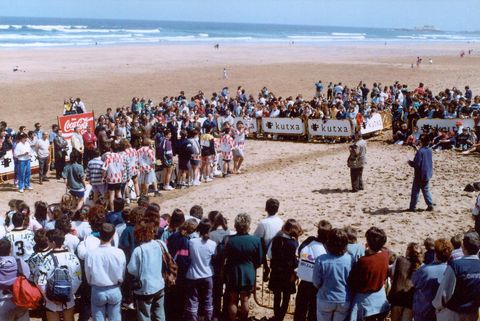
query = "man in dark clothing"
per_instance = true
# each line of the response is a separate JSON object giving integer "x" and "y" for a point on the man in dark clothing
{"x": 423, "y": 165}
{"x": 356, "y": 161}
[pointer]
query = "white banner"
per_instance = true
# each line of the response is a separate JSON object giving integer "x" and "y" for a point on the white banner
{"x": 331, "y": 127}
{"x": 289, "y": 126}
{"x": 374, "y": 124}
{"x": 449, "y": 124}
{"x": 249, "y": 123}
{"x": 7, "y": 166}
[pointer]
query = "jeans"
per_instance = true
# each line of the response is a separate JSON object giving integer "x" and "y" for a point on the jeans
{"x": 151, "y": 307}
{"x": 199, "y": 292}
{"x": 306, "y": 302}
{"x": 327, "y": 311}
{"x": 416, "y": 187}
{"x": 10, "y": 312}
{"x": 42, "y": 168}
{"x": 23, "y": 174}
{"x": 106, "y": 301}
{"x": 175, "y": 301}
{"x": 356, "y": 177}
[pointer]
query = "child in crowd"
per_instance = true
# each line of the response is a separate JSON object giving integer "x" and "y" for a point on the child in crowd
{"x": 227, "y": 145}
{"x": 429, "y": 255}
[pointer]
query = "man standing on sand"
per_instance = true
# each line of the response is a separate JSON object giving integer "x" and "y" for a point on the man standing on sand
{"x": 423, "y": 165}
{"x": 225, "y": 76}
{"x": 356, "y": 161}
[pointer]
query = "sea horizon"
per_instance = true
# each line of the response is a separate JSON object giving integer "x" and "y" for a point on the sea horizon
{"x": 32, "y": 32}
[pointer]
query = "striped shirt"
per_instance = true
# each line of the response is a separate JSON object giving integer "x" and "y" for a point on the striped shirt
{"x": 95, "y": 171}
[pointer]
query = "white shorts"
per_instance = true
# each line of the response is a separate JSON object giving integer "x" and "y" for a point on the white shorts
{"x": 147, "y": 178}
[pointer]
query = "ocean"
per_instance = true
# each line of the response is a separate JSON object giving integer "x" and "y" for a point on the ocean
{"x": 49, "y": 32}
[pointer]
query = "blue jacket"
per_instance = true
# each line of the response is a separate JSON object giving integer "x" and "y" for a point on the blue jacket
{"x": 146, "y": 265}
{"x": 426, "y": 281}
{"x": 330, "y": 275}
{"x": 423, "y": 164}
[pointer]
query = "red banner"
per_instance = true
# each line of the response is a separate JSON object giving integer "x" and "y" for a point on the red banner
{"x": 68, "y": 123}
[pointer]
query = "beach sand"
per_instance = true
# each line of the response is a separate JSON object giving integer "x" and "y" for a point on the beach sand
{"x": 310, "y": 180}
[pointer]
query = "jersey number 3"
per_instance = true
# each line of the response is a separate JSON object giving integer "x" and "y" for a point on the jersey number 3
{"x": 20, "y": 249}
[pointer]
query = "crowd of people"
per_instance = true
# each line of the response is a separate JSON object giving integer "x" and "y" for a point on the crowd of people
{"x": 97, "y": 252}
{"x": 193, "y": 266}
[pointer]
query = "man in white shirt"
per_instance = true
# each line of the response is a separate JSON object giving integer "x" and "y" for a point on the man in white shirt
{"x": 79, "y": 106}
{"x": 268, "y": 228}
{"x": 77, "y": 140}
{"x": 105, "y": 270}
{"x": 23, "y": 153}
{"x": 42, "y": 148}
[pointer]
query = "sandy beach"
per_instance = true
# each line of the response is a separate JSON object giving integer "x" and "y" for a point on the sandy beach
{"x": 310, "y": 180}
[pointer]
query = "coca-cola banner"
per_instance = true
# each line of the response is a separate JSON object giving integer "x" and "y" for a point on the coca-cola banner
{"x": 68, "y": 123}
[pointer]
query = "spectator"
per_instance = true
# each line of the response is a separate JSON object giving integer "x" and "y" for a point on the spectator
{"x": 401, "y": 294}
{"x": 283, "y": 264}
{"x": 426, "y": 281}
{"x": 330, "y": 276}
{"x": 104, "y": 270}
{"x": 59, "y": 257}
{"x": 458, "y": 295}
{"x": 309, "y": 251}
{"x": 244, "y": 255}
{"x": 144, "y": 265}
{"x": 367, "y": 279}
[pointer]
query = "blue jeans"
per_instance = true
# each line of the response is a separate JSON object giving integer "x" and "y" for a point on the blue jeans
{"x": 199, "y": 292}
{"x": 328, "y": 311}
{"x": 151, "y": 307}
{"x": 23, "y": 174}
{"x": 106, "y": 301}
{"x": 416, "y": 187}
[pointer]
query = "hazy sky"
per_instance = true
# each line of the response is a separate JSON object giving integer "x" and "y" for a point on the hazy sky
{"x": 443, "y": 14}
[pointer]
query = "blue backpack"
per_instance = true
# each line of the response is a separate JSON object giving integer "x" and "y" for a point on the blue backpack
{"x": 59, "y": 285}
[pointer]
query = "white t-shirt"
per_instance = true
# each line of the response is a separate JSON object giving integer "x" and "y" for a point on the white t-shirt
{"x": 21, "y": 149}
{"x": 22, "y": 243}
{"x": 71, "y": 242}
{"x": 83, "y": 229}
{"x": 308, "y": 255}
{"x": 268, "y": 228}
{"x": 201, "y": 252}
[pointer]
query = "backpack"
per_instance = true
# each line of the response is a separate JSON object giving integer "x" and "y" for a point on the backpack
{"x": 25, "y": 293}
{"x": 59, "y": 285}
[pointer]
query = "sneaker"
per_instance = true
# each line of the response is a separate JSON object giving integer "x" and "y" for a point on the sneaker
{"x": 429, "y": 209}
{"x": 128, "y": 306}
{"x": 412, "y": 210}
{"x": 20, "y": 190}
{"x": 196, "y": 183}
{"x": 208, "y": 179}
{"x": 167, "y": 188}
{"x": 29, "y": 188}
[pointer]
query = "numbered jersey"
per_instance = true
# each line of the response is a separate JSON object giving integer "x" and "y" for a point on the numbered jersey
{"x": 22, "y": 243}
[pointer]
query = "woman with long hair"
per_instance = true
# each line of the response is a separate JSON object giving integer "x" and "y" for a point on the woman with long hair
{"x": 401, "y": 293}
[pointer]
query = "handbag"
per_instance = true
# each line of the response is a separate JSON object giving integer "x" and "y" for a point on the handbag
{"x": 169, "y": 267}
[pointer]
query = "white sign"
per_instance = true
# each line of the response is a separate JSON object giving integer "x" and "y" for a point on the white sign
{"x": 8, "y": 167}
{"x": 331, "y": 127}
{"x": 374, "y": 124}
{"x": 249, "y": 123}
{"x": 449, "y": 124}
{"x": 290, "y": 126}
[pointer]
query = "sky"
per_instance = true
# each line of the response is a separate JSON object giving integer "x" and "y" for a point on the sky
{"x": 452, "y": 15}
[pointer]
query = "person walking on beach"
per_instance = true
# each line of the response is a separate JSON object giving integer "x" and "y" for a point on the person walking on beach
{"x": 225, "y": 75}
{"x": 356, "y": 161}
{"x": 423, "y": 165}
